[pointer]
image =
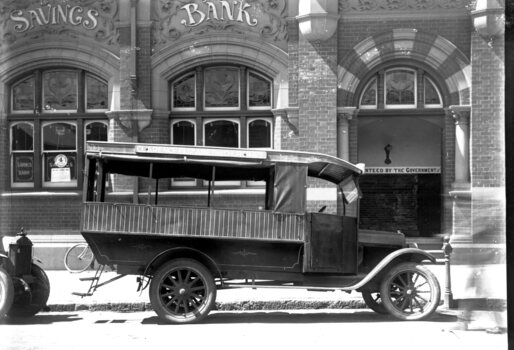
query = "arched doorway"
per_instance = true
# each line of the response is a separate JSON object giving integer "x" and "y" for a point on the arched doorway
{"x": 400, "y": 127}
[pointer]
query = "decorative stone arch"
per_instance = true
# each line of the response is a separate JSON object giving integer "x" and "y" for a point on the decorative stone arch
{"x": 100, "y": 62}
{"x": 433, "y": 51}
{"x": 186, "y": 55}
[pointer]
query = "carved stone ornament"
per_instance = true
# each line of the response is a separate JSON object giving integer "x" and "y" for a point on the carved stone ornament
{"x": 395, "y": 5}
{"x": 22, "y": 20}
{"x": 174, "y": 19}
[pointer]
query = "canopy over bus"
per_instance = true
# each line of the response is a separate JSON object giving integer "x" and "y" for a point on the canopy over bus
{"x": 230, "y": 163}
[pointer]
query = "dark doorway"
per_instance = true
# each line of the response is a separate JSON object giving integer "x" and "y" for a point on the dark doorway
{"x": 409, "y": 203}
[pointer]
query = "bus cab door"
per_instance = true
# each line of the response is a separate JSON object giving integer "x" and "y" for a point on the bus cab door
{"x": 331, "y": 244}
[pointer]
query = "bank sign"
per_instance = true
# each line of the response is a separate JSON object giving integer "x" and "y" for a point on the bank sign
{"x": 23, "y": 20}
{"x": 48, "y": 13}
{"x": 196, "y": 13}
{"x": 179, "y": 18}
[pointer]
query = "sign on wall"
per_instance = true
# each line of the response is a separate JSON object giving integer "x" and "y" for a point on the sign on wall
{"x": 28, "y": 19}
{"x": 264, "y": 18}
{"x": 404, "y": 170}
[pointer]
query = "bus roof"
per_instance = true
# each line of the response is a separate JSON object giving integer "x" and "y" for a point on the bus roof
{"x": 319, "y": 165}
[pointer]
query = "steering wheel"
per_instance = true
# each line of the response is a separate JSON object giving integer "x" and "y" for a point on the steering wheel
{"x": 322, "y": 209}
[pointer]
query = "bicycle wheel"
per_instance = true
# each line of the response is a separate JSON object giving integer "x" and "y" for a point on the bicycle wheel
{"x": 78, "y": 258}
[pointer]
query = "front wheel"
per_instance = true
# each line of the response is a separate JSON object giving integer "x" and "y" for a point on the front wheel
{"x": 6, "y": 292}
{"x": 374, "y": 302}
{"x": 182, "y": 291}
{"x": 410, "y": 291}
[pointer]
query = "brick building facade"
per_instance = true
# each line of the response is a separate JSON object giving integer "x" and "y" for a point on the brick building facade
{"x": 413, "y": 89}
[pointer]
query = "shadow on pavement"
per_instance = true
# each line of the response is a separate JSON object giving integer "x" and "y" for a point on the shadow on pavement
{"x": 40, "y": 319}
{"x": 286, "y": 317}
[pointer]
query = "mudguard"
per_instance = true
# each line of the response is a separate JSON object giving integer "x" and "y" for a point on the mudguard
{"x": 181, "y": 252}
{"x": 405, "y": 254}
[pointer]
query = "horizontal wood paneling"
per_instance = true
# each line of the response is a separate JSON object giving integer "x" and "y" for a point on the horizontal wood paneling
{"x": 194, "y": 222}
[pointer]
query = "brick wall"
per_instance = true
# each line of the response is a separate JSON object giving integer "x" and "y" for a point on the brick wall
{"x": 42, "y": 214}
{"x": 487, "y": 140}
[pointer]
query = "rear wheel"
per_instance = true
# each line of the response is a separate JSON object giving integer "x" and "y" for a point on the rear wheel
{"x": 410, "y": 291}
{"x": 374, "y": 302}
{"x": 27, "y": 303}
{"x": 6, "y": 292}
{"x": 182, "y": 291}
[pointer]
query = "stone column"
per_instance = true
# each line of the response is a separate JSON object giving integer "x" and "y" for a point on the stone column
{"x": 460, "y": 193}
{"x": 462, "y": 173}
{"x": 344, "y": 115}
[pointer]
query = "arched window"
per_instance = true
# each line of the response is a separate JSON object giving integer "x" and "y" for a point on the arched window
{"x": 399, "y": 89}
{"x": 222, "y": 106}
{"x": 61, "y": 109}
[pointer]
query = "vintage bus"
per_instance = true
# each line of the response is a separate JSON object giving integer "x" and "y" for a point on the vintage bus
{"x": 188, "y": 252}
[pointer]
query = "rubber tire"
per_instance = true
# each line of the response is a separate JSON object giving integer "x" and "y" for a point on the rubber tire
{"x": 187, "y": 317}
{"x": 6, "y": 292}
{"x": 71, "y": 262}
{"x": 39, "y": 293}
{"x": 406, "y": 267}
{"x": 374, "y": 302}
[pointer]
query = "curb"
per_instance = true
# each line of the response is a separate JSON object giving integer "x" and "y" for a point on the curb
{"x": 253, "y": 305}
{"x": 248, "y": 305}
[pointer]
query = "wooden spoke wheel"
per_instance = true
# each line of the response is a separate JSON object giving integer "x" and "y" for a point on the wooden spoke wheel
{"x": 410, "y": 291}
{"x": 27, "y": 303}
{"x": 6, "y": 292}
{"x": 182, "y": 291}
{"x": 374, "y": 302}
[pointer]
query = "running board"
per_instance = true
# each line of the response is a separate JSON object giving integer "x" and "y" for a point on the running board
{"x": 310, "y": 288}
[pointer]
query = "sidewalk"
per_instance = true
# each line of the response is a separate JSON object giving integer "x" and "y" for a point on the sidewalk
{"x": 122, "y": 294}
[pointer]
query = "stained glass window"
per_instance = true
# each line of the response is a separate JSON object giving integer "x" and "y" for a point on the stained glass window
{"x": 369, "y": 97}
{"x": 184, "y": 92}
{"x": 400, "y": 87}
{"x": 23, "y": 95}
{"x": 221, "y": 87}
{"x": 96, "y": 94}
{"x": 259, "y": 91}
{"x": 431, "y": 94}
{"x": 59, "y": 91}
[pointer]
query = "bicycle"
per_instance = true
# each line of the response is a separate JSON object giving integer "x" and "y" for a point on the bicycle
{"x": 78, "y": 258}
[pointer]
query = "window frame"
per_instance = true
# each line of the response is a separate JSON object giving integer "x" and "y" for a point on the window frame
{"x": 184, "y": 109}
{"x": 38, "y": 118}
{"x": 438, "y": 92}
{"x": 257, "y": 108}
{"x": 77, "y": 97}
{"x": 372, "y": 80}
{"x": 200, "y": 116}
{"x": 401, "y": 106}
{"x": 50, "y": 184}
{"x": 94, "y": 110}
{"x": 252, "y": 119}
{"x": 236, "y": 108}
{"x": 13, "y": 152}
{"x": 420, "y": 74}
{"x": 11, "y": 88}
